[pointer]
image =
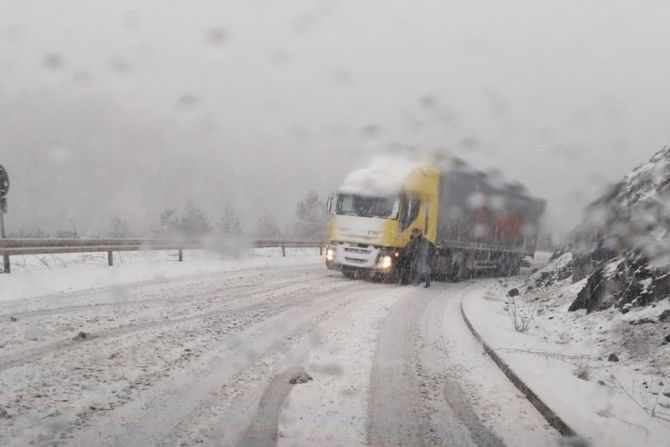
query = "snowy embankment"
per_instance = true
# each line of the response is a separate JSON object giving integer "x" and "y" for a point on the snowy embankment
{"x": 606, "y": 374}
{"x": 37, "y": 275}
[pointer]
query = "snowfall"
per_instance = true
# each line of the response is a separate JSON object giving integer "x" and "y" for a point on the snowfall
{"x": 266, "y": 350}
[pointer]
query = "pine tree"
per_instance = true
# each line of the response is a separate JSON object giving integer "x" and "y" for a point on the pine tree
{"x": 193, "y": 222}
{"x": 229, "y": 225}
{"x": 312, "y": 217}
{"x": 169, "y": 224}
{"x": 118, "y": 229}
{"x": 267, "y": 228}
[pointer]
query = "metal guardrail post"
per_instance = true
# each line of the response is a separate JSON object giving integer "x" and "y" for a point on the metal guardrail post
{"x": 181, "y": 255}
{"x": 283, "y": 251}
{"x": 110, "y": 258}
{"x": 7, "y": 268}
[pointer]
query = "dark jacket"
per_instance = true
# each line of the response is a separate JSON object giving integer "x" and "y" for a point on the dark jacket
{"x": 420, "y": 253}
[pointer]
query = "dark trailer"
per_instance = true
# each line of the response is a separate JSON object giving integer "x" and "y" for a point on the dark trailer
{"x": 484, "y": 223}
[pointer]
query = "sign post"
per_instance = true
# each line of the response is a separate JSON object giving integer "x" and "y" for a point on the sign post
{"x": 4, "y": 189}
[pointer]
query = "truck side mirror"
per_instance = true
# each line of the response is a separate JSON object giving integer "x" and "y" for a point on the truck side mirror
{"x": 329, "y": 203}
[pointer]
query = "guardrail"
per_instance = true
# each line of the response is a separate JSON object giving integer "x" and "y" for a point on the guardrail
{"x": 18, "y": 247}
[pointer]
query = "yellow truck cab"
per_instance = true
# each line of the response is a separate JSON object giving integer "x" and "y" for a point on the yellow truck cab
{"x": 373, "y": 214}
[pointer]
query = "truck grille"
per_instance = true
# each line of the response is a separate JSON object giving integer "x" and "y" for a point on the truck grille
{"x": 364, "y": 251}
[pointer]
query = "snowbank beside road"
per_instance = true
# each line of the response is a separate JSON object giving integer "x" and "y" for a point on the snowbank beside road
{"x": 564, "y": 358}
{"x": 33, "y": 276}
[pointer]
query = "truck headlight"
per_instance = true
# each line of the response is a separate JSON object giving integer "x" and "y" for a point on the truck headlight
{"x": 330, "y": 254}
{"x": 386, "y": 262}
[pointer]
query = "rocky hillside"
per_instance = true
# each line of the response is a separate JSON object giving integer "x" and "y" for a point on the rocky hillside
{"x": 623, "y": 245}
{"x": 602, "y": 304}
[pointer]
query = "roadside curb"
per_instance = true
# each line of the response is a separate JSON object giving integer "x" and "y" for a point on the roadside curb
{"x": 552, "y": 418}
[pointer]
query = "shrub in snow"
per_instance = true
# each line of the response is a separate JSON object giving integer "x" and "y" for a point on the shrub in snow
{"x": 583, "y": 371}
{"x": 520, "y": 314}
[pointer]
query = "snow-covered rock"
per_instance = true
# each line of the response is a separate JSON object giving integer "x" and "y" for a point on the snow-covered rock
{"x": 633, "y": 214}
{"x": 623, "y": 245}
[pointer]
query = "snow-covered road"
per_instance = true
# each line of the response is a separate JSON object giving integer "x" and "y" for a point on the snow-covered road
{"x": 209, "y": 359}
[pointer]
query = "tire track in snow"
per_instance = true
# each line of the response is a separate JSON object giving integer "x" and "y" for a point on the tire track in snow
{"x": 263, "y": 429}
{"x": 79, "y": 368}
{"x": 14, "y": 338}
{"x": 32, "y": 354}
{"x": 452, "y": 412}
{"x": 238, "y": 282}
{"x": 152, "y": 418}
{"x": 332, "y": 409}
{"x": 407, "y": 404}
{"x": 396, "y": 414}
{"x": 255, "y": 398}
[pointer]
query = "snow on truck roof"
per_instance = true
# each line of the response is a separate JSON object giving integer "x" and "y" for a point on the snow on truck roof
{"x": 383, "y": 177}
{"x": 387, "y": 175}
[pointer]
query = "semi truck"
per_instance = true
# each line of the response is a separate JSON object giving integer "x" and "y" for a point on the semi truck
{"x": 479, "y": 223}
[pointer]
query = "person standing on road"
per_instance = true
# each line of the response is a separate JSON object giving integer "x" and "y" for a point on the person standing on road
{"x": 420, "y": 252}
{"x": 405, "y": 262}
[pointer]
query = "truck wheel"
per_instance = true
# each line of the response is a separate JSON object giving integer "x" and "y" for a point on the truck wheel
{"x": 511, "y": 266}
{"x": 458, "y": 271}
{"x": 515, "y": 268}
{"x": 459, "y": 274}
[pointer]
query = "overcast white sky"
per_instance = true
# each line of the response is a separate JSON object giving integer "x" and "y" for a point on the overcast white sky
{"x": 125, "y": 107}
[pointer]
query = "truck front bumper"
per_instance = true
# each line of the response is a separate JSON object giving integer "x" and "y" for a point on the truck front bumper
{"x": 345, "y": 255}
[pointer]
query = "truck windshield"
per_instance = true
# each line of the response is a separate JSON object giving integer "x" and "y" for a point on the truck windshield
{"x": 366, "y": 206}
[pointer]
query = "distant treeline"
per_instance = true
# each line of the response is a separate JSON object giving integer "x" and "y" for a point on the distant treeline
{"x": 311, "y": 220}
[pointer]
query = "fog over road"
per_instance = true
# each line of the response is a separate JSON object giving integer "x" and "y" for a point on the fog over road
{"x": 278, "y": 355}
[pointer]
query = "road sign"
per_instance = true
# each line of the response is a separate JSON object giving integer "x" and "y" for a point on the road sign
{"x": 4, "y": 182}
